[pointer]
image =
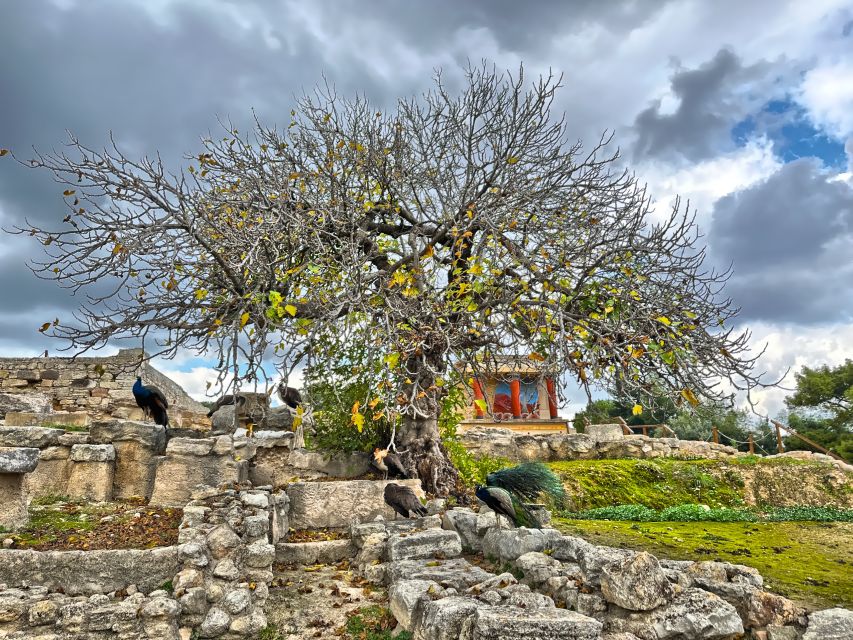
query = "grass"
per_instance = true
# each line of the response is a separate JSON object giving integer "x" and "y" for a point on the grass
{"x": 65, "y": 427}
{"x": 372, "y": 623}
{"x": 702, "y": 513}
{"x": 809, "y": 562}
{"x": 661, "y": 483}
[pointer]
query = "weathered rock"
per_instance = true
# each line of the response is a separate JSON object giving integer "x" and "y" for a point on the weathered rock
{"x": 318, "y": 505}
{"x": 636, "y": 583}
{"x": 38, "y": 437}
{"x": 762, "y": 608}
{"x": 215, "y": 623}
{"x": 259, "y": 555}
{"x": 92, "y": 471}
{"x": 311, "y": 553}
{"x": 137, "y": 445}
{"x": 223, "y": 421}
{"x": 87, "y": 572}
{"x": 443, "y": 619}
{"x": 404, "y": 596}
{"x": 312, "y": 464}
{"x": 50, "y": 477}
{"x": 432, "y": 543}
{"x": 93, "y": 453}
{"x": 604, "y": 432}
{"x": 569, "y": 548}
{"x": 538, "y": 567}
{"x": 17, "y": 460}
{"x": 830, "y": 624}
{"x": 464, "y": 522}
{"x": 190, "y": 462}
{"x": 29, "y": 402}
{"x": 693, "y": 613}
{"x": 511, "y": 623}
{"x": 508, "y": 544}
{"x": 782, "y": 633}
{"x": 456, "y": 573}
{"x": 221, "y": 540}
{"x": 593, "y": 560}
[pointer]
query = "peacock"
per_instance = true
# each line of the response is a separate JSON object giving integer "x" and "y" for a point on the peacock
{"x": 528, "y": 481}
{"x": 499, "y": 501}
{"x": 153, "y": 402}
{"x": 403, "y": 501}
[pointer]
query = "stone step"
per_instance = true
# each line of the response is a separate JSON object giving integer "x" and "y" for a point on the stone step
{"x": 313, "y": 553}
{"x": 432, "y": 543}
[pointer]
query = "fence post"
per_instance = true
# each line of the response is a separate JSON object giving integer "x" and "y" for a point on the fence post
{"x": 751, "y": 445}
{"x": 716, "y": 434}
{"x": 779, "y": 444}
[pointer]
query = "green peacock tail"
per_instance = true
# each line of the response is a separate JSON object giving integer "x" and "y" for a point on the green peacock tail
{"x": 528, "y": 481}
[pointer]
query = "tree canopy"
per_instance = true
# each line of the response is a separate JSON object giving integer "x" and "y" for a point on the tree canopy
{"x": 457, "y": 227}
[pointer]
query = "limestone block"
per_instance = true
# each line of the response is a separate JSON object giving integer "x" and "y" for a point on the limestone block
{"x": 692, "y": 613}
{"x": 464, "y": 522}
{"x": 311, "y": 553}
{"x": 509, "y": 623}
{"x": 137, "y": 445}
{"x": 189, "y": 462}
{"x": 316, "y": 505}
{"x": 280, "y": 516}
{"x": 456, "y": 573}
{"x": 432, "y": 543}
{"x": 28, "y": 436}
{"x": 50, "y": 477}
{"x": 313, "y": 464}
{"x": 18, "y": 460}
{"x": 88, "y": 572}
{"x": 92, "y": 472}
{"x": 508, "y": 544}
{"x": 604, "y": 432}
{"x": 636, "y": 583}
{"x": 13, "y": 501}
{"x": 830, "y": 624}
{"x": 28, "y": 402}
{"x": 404, "y": 596}
{"x": 443, "y": 619}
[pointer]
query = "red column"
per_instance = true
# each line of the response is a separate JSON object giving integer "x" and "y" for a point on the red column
{"x": 552, "y": 398}
{"x": 478, "y": 395}
{"x": 515, "y": 391}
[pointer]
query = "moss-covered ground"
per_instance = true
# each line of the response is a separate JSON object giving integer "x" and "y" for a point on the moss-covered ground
{"x": 662, "y": 482}
{"x": 809, "y": 562}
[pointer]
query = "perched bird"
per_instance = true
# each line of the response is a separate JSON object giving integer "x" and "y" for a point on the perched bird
{"x": 528, "y": 481}
{"x": 499, "y": 501}
{"x": 225, "y": 401}
{"x": 403, "y": 501}
{"x": 388, "y": 462}
{"x": 289, "y": 396}
{"x": 152, "y": 401}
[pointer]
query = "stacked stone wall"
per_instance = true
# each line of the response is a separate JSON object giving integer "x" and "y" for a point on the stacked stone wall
{"x": 213, "y": 584}
{"x": 59, "y": 389}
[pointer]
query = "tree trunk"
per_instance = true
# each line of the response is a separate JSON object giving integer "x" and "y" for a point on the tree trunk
{"x": 421, "y": 451}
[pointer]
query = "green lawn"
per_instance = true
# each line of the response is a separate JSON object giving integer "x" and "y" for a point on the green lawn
{"x": 809, "y": 562}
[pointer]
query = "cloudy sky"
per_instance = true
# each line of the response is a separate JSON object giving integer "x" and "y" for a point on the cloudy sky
{"x": 744, "y": 107}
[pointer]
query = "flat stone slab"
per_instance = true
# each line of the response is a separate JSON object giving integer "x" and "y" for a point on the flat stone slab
{"x": 457, "y": 573}
{"x": 509, "y": 623}
{"x": 312, "y": 553}
{"x": 18, "y": 436}
{"x": 432, "y": 543}
{"x": 335, "y": 505}
{"x": 18, "y": 459}
{"x": 93, "y": 453}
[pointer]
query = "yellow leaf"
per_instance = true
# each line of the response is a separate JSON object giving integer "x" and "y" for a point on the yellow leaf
{"x": 3, "y": 152}
{"x": 372, "y": 404}
{"x": 244, "y": 319}
{"x": 690, "y": 315}
{"x": 688, "y": 395}
{"x": 664, "y": 320}
{"x": 537, "y": 356}
{"x": 481, "y": 404}
{"x": 69, "y": 192}
{"x": 290, "y": 309}
{"x": 200, "y": 294}
{"x": 428, "y": 252}
{"x": 637, "y": 410}
{"x": 511, "y": 160}
{"x": 392, "y": 359}
{"x": 44, "y": 327}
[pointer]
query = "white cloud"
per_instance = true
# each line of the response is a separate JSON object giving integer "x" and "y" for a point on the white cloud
{"x": 706, "y": 182}
{"x": 827, "y": 94}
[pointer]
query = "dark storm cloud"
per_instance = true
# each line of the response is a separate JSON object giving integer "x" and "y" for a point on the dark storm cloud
{"x": 790, "y": 240}
{"x": 711, "y": 100}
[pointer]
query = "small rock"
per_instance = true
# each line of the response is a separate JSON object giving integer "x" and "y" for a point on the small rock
{"x": 237, "y": 601}
{"x": 226, "y": 569}
{"x": 7, "y": 543}
{"x": 215, "y": 623}
{"x": 830, "y": 624}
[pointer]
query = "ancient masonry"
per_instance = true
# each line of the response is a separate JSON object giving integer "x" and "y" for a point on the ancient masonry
{"x": 74, "y": 390}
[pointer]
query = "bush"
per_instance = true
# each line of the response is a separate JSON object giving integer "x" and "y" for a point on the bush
{"x": 703, "y": 513}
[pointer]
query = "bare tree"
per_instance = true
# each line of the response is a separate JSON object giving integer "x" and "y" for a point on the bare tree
{"x": 459, "y": 228}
